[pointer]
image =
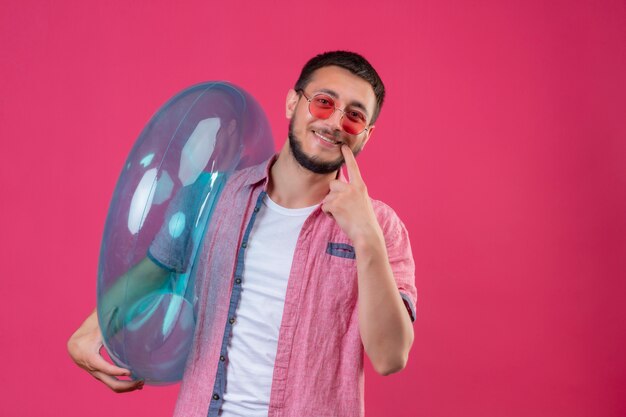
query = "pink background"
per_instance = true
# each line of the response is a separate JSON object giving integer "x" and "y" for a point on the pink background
{"x": 502, "y": 146}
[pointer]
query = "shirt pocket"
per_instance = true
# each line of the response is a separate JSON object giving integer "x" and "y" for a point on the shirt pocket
{"x": 340, "y": 279}
{"x": 341, "y": 250}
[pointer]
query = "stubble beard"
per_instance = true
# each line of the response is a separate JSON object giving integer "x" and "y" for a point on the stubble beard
{"x": 312, "y": 163}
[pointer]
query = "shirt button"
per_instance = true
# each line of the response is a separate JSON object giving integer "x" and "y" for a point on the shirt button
{"x": 238, "y": 281}
{"x": 256, "y": 209}
{"x": 222, "y": 358}
{"x": 216, "y": 397}
{"x": 231, "y": 320}
{"x": 244, "y": 244}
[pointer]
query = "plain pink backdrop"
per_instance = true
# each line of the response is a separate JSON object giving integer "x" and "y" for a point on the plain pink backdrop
{"x": 502, "y": 146}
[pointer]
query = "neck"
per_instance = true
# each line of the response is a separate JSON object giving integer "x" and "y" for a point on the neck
{"x": 292, "y": 186}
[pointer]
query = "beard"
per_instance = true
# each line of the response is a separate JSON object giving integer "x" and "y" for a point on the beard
{"x": 312, "y": 163}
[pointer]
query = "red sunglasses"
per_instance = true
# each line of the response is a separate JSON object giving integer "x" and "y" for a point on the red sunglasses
{"x": 322, "y": 106}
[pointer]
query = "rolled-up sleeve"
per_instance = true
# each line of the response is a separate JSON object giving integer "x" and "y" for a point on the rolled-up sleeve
{"x": 400, "y": 258}
{"x": 172, "y": 246}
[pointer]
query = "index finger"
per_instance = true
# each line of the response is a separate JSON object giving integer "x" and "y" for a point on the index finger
{"x": 351, "y": 165}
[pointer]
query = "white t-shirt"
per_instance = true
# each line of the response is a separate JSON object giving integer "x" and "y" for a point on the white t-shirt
{"x": 252, "y": 347}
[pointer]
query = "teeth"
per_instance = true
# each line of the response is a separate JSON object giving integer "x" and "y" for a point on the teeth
{"x": 326, "y": 139}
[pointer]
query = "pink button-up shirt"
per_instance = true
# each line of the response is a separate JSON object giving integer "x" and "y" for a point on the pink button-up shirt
{"x": 319, "y": 360}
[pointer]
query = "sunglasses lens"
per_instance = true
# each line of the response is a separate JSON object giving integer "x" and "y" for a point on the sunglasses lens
{"x": 351, "y": 125}
{"x": 322, "y": 106}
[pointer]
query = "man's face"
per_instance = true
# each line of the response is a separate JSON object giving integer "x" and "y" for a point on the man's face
{"x": 316, "y": 143}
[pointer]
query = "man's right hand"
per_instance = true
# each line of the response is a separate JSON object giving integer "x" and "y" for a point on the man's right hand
{"x": 84, "y": 348}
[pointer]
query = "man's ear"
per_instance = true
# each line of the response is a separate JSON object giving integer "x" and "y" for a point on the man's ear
{"x": 291, "y": 103}
{"x": 369, "y": 135}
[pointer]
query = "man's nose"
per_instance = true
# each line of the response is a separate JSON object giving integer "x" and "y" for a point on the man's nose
{"x": 335, "y": 119}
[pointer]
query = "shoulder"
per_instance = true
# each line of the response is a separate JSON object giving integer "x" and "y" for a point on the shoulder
{"x": 384, "y": 212}
{"x": 247, "y": 176}
{"x": 389, "y": 221}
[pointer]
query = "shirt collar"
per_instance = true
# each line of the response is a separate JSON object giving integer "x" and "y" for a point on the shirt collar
{"x": 261, "y": 172}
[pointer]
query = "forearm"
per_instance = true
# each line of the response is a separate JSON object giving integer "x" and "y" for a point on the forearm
{"x": 386, "y": 328}
{"x": 90, "y": 325}
{"x": 137, "y": 282}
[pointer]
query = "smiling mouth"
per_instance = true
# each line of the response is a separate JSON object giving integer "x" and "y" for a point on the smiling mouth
{"x": 327, "y": 139}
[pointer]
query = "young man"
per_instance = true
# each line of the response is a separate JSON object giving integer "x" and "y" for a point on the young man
{"x": 322, "y": 272}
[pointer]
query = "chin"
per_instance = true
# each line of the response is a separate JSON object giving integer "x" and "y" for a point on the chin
{"x": 311, "y": 163}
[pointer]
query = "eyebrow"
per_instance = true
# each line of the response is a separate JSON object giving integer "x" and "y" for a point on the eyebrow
{"x": 334, "y": 94}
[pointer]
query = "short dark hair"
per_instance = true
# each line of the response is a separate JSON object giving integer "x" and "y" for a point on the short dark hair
{"x": 351, "y": 61}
